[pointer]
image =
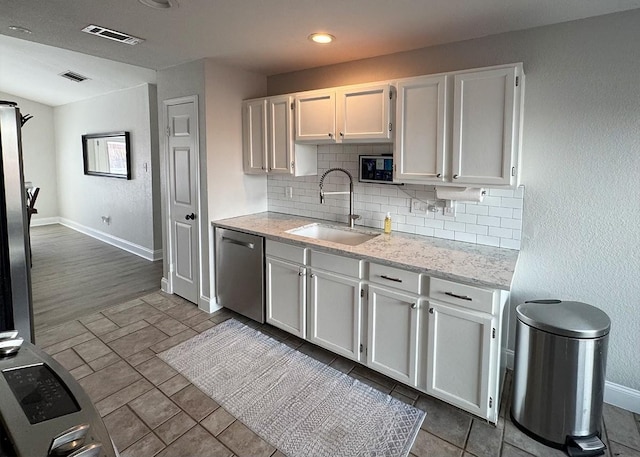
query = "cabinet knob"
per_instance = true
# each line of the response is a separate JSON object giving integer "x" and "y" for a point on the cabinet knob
{"x": 331, "y": 135}
{"x": 439, "y": 175}
{"x": 430, "y": 310}
{"x": 455, "y": 176}
{"x": 414, "y": 306}
{"x": 341, "y": 134}
{"x": 312, "y": 275}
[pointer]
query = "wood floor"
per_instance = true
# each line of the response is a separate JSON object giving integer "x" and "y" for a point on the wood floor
{"x": 74, "y": 275}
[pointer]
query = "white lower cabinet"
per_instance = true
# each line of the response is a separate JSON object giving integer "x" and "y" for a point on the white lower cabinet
{"x": 335, "y": 313}
{"x": 438, "y": 336}
{"x": 286, "y": 291}
{"x": 462, "y": 352}
{"x": 393, "y": 333}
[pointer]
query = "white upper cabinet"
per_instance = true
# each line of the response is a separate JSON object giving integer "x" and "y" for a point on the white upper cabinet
{"x": 364, "y": 114}
{"x": 268, "y": 139}
{"x": 460, "y": 128}
{"x": 254, "y": 130}
{"x": 280, "y": 134}
{"x": 316, "y": 117}
{"x": 421, "y": 117}
{"x": 486, "y": 125}
{"x": 352, "y": 114}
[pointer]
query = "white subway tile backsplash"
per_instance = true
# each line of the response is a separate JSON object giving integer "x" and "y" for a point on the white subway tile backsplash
{"x": 467, "y": 237}
{"x": 455, "y": 226}
{"x": 477, "y": 209}
{"x": 446, "y": 234}
{"x": 500, "y": 232}
{"x": 489, "y": 220}
{"x": 501, "y": 212}
{"x": 496, "y": 221}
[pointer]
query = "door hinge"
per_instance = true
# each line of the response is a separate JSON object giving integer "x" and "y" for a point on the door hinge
{"x": 390, "y": 126}
{"x": 292, "y": 105}
{"x": 390, "y": 95}
{"x": 168, "y": 131}
{"x": 517, "y": 80}
{"x": 513, "y": 171}
{"x": 490, "y": 402}
{"x": 394, "y": 167}
{"x": 493, "y": 333}
{"x": 362, "y": 292}
{"x": 361, "y": 348}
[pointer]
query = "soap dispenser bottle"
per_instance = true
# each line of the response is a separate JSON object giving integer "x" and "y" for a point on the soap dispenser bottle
{"x": 387, "y": 224}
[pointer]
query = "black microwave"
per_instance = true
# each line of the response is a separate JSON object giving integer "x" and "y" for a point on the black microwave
{"x": 378, "y": 169}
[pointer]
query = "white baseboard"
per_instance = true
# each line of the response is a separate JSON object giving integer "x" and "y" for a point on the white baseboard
{"x": 622, "y": 397}
{"x": 165, "y": 286}
{"x": 45, "y": 221}
{"x": 209, "y": 305}
{"x": 125, "y": 245}
{"x": 614, "y": 394}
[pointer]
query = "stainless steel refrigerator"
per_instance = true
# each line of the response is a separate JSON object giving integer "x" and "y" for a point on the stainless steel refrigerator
{"x": 16, "y": 310}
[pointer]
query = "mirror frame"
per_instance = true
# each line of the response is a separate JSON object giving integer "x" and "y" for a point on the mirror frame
{"x": 85, "y": 151}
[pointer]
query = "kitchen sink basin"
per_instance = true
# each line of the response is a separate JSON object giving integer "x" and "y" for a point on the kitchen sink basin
{"x": 340, "y": 235}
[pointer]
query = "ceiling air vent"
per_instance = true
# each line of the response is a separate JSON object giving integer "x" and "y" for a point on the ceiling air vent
{"x": 75, "y": 77}
{"x": 112, "y": 34}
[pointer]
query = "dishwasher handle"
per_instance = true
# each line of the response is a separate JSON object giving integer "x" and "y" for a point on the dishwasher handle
{"x": 226, "y": 239}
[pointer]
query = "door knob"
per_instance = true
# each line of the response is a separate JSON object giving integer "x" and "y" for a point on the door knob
{"x": 191, "y": 216}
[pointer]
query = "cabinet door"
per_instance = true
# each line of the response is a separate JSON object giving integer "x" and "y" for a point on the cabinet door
{"x": 364, "y": 114}
{"x": 421, "y": 118}
{"x": 335, "y": 307}
{"x": 460, "y": 357}
{"x": 316, "y": 117}
{"x": 286, "y": 288}
{"x": 484, "y": 130}
{"x": 280, "y": 134}
{"x": 254, "y": 130}
{"x": 392, "y": 334}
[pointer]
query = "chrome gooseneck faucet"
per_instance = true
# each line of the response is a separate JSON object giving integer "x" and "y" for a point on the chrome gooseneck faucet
{"x": 352, "y": 217}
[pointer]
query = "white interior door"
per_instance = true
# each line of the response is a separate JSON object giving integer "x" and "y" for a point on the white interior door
{"x": 182, "y": 131}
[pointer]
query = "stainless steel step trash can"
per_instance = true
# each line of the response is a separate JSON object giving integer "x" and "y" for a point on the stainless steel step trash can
{"x": 559, "y": 374}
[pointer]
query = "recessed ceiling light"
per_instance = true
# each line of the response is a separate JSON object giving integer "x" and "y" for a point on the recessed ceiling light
{"x": 321, "y": 38}
{"x": 159, "y": 4}
{"x": 17, "y": 28}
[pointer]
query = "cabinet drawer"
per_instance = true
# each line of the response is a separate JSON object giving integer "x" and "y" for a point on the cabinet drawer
{"x": 336, "y": 264}
{"x": 286, "y": 251}
{"x": 463, "y": 295}
{"x": 394, "y": 277}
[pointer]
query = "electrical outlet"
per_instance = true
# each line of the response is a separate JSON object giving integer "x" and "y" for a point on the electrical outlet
{"x": 450, "y": 210}
{"x": 418, "y": 207}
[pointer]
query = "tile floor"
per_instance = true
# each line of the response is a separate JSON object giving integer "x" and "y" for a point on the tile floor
{"x": 151, "y": 410}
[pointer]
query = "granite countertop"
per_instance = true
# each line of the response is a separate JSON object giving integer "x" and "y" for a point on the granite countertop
{"x": 464, "y": 262}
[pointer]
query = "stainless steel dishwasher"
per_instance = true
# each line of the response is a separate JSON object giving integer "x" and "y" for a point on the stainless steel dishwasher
{"x": 240, "y": 272}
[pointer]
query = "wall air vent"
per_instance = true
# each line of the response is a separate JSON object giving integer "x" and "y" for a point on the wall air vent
{"x": 112, "y": 34}
{"x": 75, "y": 77}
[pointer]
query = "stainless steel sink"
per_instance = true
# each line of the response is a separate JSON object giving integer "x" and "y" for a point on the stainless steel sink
{"x": 340, "y": 235}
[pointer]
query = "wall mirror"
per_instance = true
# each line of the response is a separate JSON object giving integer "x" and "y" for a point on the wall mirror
{"x": 107, "y": 154}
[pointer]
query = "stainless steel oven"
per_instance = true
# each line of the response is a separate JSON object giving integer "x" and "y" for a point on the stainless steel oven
{"x": 43, "y": 409}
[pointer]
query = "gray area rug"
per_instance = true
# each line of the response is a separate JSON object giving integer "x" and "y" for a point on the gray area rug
{"x": 299, "y": 405}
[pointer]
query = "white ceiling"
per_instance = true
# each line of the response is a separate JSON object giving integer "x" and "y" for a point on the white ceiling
{"x": 265, "y": 36}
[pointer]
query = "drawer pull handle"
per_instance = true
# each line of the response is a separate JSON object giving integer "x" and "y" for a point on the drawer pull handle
{"x": 390, "y": 278}
{"x": 461, "y": 297}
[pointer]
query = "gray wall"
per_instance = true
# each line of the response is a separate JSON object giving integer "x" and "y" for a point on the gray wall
{"x": 39, "y": 155}
{"x": 225, "y": 191}
{"x": 580, "y": 159}
{"x": 83, "y": 200}
{"x": 175, "y": 82}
